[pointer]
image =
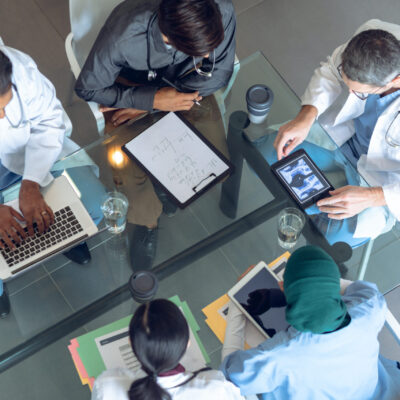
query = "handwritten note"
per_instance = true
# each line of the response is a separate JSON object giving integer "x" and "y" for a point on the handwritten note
{"x": 177, "y": 157}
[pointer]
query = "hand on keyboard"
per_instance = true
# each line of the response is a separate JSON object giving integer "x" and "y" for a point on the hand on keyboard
{"x": 10, "y": 229}
{"x": 34, "y": 208}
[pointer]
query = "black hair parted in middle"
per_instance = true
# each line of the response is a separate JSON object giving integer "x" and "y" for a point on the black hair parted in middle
{"x": 193, "y": 27}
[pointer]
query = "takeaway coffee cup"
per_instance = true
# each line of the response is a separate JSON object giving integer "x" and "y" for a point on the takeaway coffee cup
{"x": 143, "y": 286}
{"x": 259, "y": 99}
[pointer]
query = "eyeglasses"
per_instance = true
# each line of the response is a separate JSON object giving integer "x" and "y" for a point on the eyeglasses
{"x": 201, "y": 72}
{"x": 361, "y": 96}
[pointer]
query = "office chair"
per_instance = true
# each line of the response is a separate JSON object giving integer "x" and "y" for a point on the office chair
{"x": 86, "y": 17}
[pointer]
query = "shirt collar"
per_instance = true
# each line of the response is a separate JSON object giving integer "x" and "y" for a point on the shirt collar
{"x": 158, "y": 41}
{"x": 177, "y": 370}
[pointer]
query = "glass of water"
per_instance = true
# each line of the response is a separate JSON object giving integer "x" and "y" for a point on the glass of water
{"x": 290, "y": 223}
{"x": 115, "y": 207}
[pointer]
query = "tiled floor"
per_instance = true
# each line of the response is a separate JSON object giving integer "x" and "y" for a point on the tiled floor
{"x": 295, "y": 36}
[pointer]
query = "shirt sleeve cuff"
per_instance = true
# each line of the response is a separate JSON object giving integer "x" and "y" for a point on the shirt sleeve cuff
{"x": 144, "y": 97}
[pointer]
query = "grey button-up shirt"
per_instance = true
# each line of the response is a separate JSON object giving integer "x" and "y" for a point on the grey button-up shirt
{"x": 121, "y": 49}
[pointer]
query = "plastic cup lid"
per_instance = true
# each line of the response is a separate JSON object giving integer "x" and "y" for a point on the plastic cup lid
{"x": 259, "y": 97}
{"x": 143, "y": 285}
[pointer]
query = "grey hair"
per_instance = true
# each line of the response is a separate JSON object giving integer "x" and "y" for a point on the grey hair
{"x": 372, "y": 57}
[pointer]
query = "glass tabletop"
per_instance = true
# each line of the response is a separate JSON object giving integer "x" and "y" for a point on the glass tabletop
{"x": 201, "y": 250}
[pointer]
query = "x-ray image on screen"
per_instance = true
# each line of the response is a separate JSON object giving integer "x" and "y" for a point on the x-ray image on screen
{"x": 302, "y": 179}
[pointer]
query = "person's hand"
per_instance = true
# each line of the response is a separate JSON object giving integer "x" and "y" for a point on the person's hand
{"x": 169, "y": 99}
{"x": 10, "y": 227}
{"x": 34, "y": 208}
{"x": 125, "y": 114}
{"x": 291, "y": 134}
{"x": 348, "y": 201}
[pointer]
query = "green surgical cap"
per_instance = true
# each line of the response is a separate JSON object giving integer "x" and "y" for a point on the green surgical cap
{"x": 312, "y": 291}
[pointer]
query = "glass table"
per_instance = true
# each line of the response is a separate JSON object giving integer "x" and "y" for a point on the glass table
{"x": 201, "y": 252}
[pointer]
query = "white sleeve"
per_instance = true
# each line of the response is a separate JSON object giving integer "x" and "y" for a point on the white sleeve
{"x": 45, "y": 114}
{"x": 391, "y": 193}
{"x": 324, "y": 87}
{"x": 235, "y": 331}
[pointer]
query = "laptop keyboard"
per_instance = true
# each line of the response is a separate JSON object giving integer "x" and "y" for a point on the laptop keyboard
{"x": 65, "y": 225}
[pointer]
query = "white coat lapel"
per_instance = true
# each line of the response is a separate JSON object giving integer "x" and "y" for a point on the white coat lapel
{"x": 352, "y": 108}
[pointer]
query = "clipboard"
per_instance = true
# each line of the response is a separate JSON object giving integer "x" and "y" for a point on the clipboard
{"x": 179, "y": 158}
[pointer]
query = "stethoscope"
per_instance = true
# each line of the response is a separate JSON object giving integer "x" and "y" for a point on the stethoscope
{"x": 20, "y": 107}
{"x": 152, "y": 74}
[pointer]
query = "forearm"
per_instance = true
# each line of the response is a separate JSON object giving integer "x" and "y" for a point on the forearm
{"x": 377, "y": 197}
{"x": 235, "y": 331}
{"x": 307, "y": 115}
{"x": 120, "y": 96}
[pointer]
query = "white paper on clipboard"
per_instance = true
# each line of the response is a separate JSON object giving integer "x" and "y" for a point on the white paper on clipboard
{"x": 177, "y": 157}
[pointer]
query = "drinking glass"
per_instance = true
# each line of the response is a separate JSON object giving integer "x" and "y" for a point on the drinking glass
{"x": 115, "y": 207}
{"x": 290, "y": 224}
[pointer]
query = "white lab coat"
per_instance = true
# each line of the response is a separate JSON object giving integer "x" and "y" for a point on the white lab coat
{"x": 336, "y": 110}
{"x": 33, "y": 147}
{"x": 114, "y": 384}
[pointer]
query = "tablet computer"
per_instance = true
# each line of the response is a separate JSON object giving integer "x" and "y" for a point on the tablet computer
{"x": 304, "y": 181}
{"x": 260, "y": 298}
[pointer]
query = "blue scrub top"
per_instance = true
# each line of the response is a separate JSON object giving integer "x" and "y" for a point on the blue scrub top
{"x": 340, "y": 365}
{"x": 364, "y": 125}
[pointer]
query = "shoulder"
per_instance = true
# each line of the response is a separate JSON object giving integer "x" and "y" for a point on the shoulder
{"x": 113, "y": 384}
{"x": 21, "y": 62}
{"x": 363, "y": 299}
{"x": 130, "y": 18}
{"x": 227, "y": 10}
{"x": 214, "y": 382}
{"x": 378, "y": 24}
{"x": 26, "y": 75}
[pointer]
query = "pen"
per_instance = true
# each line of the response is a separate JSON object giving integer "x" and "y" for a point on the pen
{"x": 172, "y": 85}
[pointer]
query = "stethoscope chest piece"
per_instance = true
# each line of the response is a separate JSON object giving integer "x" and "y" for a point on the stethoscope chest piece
{"x": 151, "y": 75}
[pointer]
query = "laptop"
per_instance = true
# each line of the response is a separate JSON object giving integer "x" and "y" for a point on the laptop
{"x": 72, "y": 225}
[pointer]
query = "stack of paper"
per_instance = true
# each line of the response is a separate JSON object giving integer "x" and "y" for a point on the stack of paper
{"x": 108, "y": 347}
{"x": 217, "y": 311}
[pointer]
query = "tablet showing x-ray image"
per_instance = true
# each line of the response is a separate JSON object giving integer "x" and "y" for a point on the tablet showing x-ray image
{"x": 302, "y": 178}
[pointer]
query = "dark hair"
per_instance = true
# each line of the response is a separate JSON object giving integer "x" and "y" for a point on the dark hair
{"x": 193, "y": 27}
{"x": 372, "y": 57}
{"x": 159, "y": 336}
{"x": 5, "y": 73}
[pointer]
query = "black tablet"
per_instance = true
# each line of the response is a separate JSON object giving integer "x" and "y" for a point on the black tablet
{"x": 302, "y": 178}
{"x": 260, "y": 298}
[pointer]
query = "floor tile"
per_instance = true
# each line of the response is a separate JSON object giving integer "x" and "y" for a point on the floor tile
{"x": 253, "y": 194}
{"x": 243, "y": 5}
{"x": 296, "y": 40}
{"x": 108, "y": 269}
{"x": 217, "y": 276}
{"x": 215, "y": 358}
{"x": 383, "y": 268}
{"x": 57, "y": 12}
{"x": 33, "y": 309}
{"x": 38, "y": 38}
{"x": 177, "y": 233}
{"x": 48, "y": 374}
{"x": 25, "y": 279}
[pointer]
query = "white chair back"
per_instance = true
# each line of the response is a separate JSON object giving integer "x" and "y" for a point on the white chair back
{"x": 87, "y": 17}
